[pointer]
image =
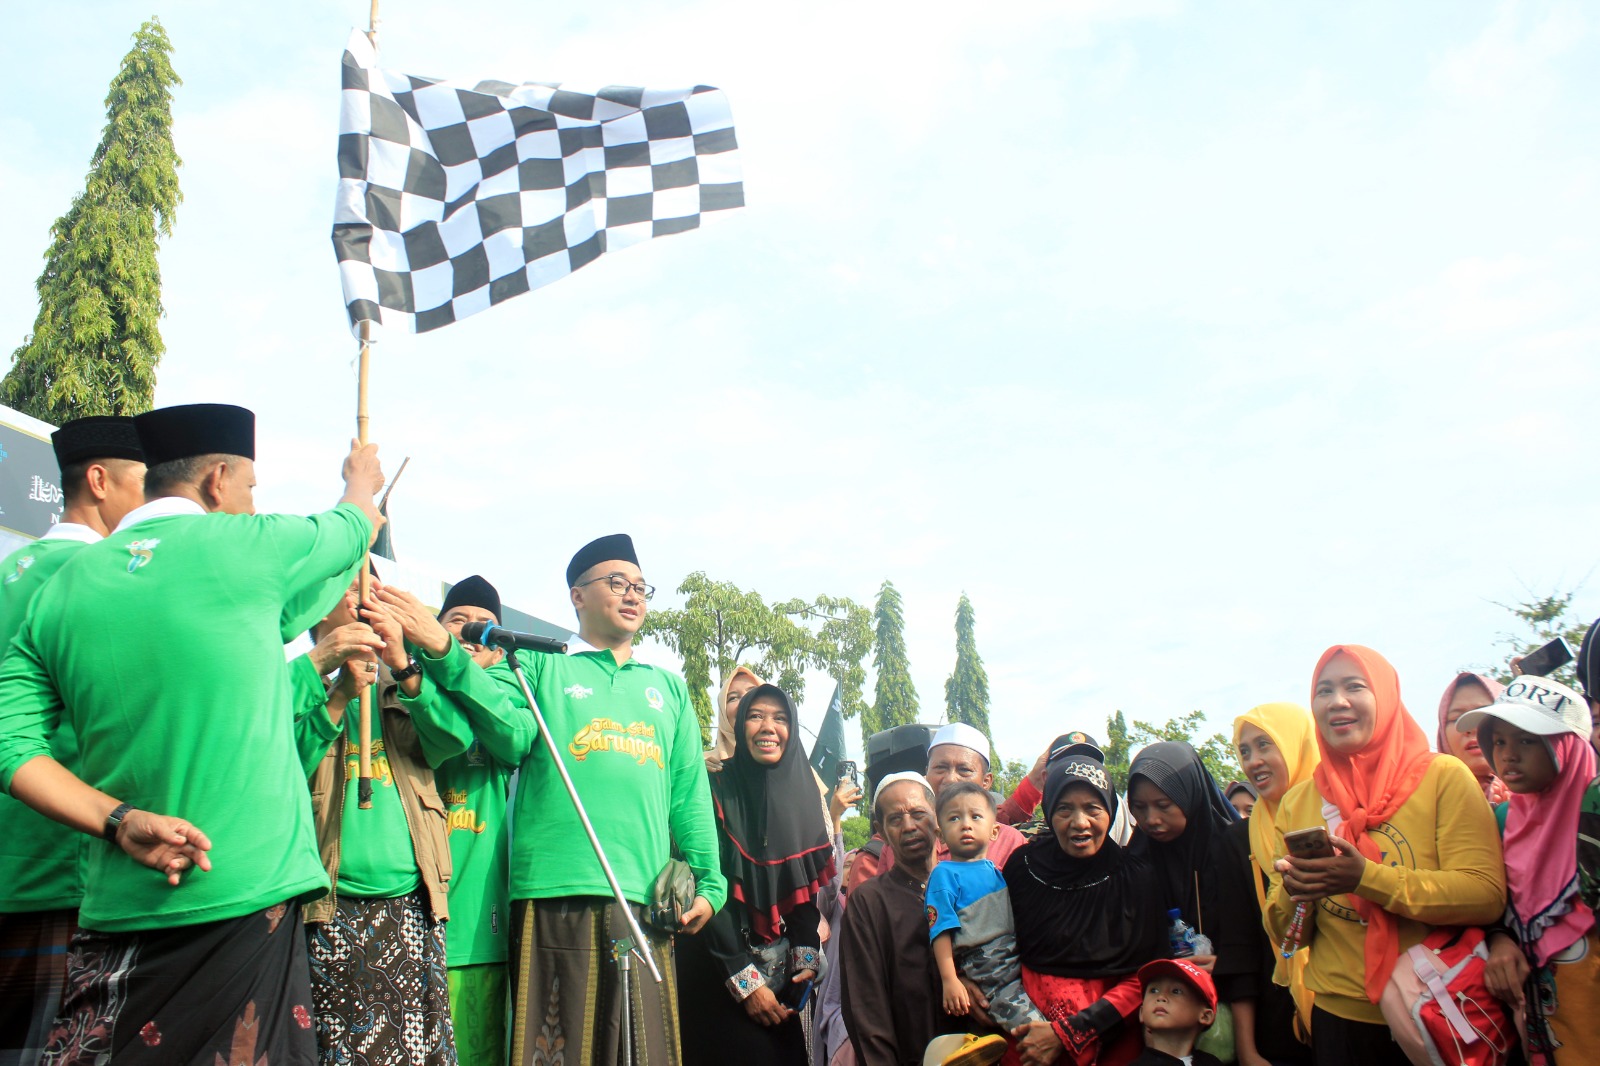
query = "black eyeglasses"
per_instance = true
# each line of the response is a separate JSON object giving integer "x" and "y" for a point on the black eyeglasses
{"x": 622, "y": 586}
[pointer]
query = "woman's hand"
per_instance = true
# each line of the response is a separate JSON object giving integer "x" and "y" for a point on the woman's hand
{"x": 1506, "y": 970}
{"x": 1308, "y": 880}
{"x": 764, "y": 1009}
{"x": 845, "y": 795}
{"x": 1037, "y": 1043}
{"x": 803, "y": 976}
{"x": 1208, "y": 963}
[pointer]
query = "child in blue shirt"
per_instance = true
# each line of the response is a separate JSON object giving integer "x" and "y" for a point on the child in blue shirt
{"x": 969, "y": 912}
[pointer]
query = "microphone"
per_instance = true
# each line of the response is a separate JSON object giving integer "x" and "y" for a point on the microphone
{"x": 492, "y": 636}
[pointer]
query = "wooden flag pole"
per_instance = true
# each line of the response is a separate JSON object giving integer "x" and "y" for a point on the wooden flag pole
{"x": 364, "y": 785}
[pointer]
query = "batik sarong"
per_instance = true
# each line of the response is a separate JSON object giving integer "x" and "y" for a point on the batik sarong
{"x": 234, "y": 991}
{"x": 33, "y": 973}
{"x": 378, "y": 984}
{"x": 566, "y": 988}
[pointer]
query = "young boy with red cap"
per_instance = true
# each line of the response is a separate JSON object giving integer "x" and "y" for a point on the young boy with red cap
{"x": 1180, "y": 1003}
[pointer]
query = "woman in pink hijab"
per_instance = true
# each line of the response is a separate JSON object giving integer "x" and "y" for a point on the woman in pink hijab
{"x": 1544, "y": 961}
{"x": 1470, "y": 692}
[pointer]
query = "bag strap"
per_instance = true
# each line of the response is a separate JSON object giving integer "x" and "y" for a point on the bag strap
{"x": 1423, "y": 964}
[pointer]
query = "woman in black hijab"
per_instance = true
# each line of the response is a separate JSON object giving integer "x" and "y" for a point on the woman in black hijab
{"x": 1087, "y": 915}
{"x": 1201, "y": 868}
{"x": 743, "y": 977}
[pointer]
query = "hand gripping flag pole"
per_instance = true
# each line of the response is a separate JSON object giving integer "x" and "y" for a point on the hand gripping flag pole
{"x": 640, "y": 946}
{"x": 364, "y": 785}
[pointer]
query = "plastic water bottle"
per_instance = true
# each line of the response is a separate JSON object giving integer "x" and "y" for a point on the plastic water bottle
{"x": 1180, "y": 937}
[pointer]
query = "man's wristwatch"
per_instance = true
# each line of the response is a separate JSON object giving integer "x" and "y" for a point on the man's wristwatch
{"x": 114, "y": 820}
{"x": 413, "y": 668}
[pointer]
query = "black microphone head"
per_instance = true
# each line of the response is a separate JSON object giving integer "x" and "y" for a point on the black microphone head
{"x": 475, "y": 632}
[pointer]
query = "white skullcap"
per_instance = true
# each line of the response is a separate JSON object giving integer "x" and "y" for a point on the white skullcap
{"x": 895, "y": 779}
{"x": 963, "y": 735}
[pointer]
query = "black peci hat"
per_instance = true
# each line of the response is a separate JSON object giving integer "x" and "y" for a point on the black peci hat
{"x": 96, "y": 437}
{"x": 603, "y": 549}
{"x": 472, "y": 591}
{"x": 168, "y": 434}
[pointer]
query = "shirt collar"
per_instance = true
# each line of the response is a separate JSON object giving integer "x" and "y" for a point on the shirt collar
{"x": 577, "y": 645}
{"x": 72, "y": 531}
{"x": 165, "y": 507}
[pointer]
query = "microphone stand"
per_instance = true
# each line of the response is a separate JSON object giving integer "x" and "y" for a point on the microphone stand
{"x": 621, "y": 950}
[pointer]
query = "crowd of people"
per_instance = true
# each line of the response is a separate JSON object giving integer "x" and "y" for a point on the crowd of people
{"x": 196, "y": 871}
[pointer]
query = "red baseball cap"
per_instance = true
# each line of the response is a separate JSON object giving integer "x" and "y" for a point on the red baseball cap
{"x": 1184, "y": 970}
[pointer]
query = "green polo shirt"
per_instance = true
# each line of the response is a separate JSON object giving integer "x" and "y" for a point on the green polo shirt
{"x": 39, "y": 855}
{"x": 162, "y": 647}
{"x": 630, "y": 739}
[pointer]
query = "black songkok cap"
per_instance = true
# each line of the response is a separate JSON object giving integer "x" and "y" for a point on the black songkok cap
{"x": 615, "y": 546}
{"x": 472, "y": 591}
{"x": 172, "y": 433}
{"x": 96, "y": 437}
{"x": 1589, "y": 662}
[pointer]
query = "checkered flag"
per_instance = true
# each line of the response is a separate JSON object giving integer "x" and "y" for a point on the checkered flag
{"x": 455, "y": 199}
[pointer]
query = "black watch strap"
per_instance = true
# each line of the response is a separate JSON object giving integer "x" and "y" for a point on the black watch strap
{"x": 413, "y": 668}
{"x": 114, "y": 820}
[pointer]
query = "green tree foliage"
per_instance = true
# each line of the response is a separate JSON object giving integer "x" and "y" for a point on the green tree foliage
{"x": 1543, "y": 619}
{"x": 1118, "y": 749}
{"x": 721, "y": 626}
{"x": 1216, "y": 751}
{"x": 96, "y": 341}
{"x": 1009, "y": 776}
{"x": 857, "y": 831}
{"x": 966, "y": 691}
{"x": 894, "y": 697}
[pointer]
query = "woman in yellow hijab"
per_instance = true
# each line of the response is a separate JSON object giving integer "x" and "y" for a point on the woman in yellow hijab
{"x": 1277, "y": 745}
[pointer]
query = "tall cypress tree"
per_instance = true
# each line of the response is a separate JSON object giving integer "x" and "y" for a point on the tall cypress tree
{"x": 96, "y": 342}
{"x": 966, "y": 693}
{"x": 894, "y": 699}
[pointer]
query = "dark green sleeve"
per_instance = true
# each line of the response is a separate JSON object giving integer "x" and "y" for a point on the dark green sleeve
{"x": 486, "y": 709}
{"x": 319, "y": 557}
{"x": 441, "y": 728}
{"x": 693, "y": 824}
{"x": 314, "y": 731}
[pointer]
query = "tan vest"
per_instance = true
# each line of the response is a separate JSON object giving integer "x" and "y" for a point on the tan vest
{"x": 419, "y": 798}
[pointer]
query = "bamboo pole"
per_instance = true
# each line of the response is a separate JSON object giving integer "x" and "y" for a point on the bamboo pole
{"x": 364, "y": 785}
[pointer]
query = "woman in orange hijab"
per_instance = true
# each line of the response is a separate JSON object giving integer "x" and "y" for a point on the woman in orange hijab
{"x": 1415, "y": 846}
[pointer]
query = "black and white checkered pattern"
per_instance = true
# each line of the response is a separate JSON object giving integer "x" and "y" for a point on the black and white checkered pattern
{"x": 453, "y": 199}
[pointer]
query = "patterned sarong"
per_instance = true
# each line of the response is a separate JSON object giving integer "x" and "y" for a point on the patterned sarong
{"x": 230, "y": 991}
{"x": 378, "y": 983}
{"x": 33, "y": 974}
{"x": 566, "y": 992}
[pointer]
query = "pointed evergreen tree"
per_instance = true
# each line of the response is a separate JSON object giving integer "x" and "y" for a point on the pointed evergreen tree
{"x": 894, "y": 699}
{"x": 96, "y": 341}
{"x": 966, "y": 692}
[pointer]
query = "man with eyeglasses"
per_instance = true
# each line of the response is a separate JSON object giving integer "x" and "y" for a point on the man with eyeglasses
{"x": 630, "y": 739}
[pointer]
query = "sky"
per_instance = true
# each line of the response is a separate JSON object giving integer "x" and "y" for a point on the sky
{"x": 1187, "y": 339}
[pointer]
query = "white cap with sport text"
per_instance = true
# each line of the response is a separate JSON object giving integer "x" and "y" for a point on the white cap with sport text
{"x": 1537, "y": 705}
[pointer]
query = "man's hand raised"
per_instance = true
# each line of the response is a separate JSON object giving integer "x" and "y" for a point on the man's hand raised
{"x": 363, "y": 477}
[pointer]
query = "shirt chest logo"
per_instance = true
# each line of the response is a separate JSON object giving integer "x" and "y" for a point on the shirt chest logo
{"x": 578, "y": 692}
{"x": 142, "y": 551}
{"x": 22, "y": 565}
{"x": 653, "y": 697}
